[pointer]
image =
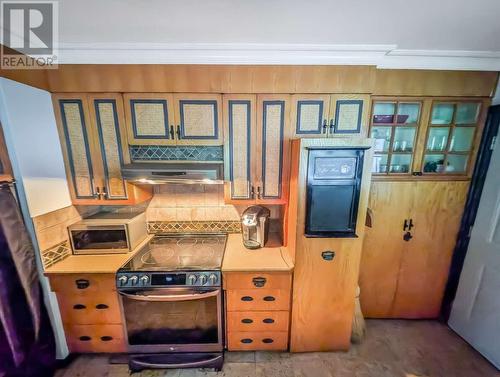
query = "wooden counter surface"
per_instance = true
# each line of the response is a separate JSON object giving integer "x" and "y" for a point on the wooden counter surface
{"x": 271, "y": 258}
{"x": 107, "y": 263}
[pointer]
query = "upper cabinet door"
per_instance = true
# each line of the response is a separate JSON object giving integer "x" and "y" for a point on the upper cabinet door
{"x": 348, "y": 115}
{"x": 273, "y": 142}
{"x": 73, "y": 122}
{"x": 239, "y": 134}
{"x": 309, "y": 115}
{"x": 198, "y": 119}
{"x": 452, "y": 137}
{"x": 395, "y": 125}
{"x": 107, "y": 114}
{"x": 150, "y": 118}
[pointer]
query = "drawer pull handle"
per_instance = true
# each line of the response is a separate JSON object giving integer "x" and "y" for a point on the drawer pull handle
{"x": 246, "y": 340}
{"x": 247, "y": 320}
{"x": 85, "y": 338}
{"x": 259, "y": 282}
{"x": 268, "y": 320}
{"x": 106, "y": 338}
{"x": 79, "y": 306}
{"x": 328, "y": 255}
{"x": 82, "y": 283}
{"x": 247, "y": 298}
{"x": 267, "y": 340}
{"x": 102, "y": 306}
{"x": 269, "y": 298}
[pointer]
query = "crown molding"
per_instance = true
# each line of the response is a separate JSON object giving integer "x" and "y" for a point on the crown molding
{"x": 382, "y": 56}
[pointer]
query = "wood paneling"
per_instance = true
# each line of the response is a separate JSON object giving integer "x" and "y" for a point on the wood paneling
{"x": 5, "y": 167}
{"x": 412, "y": 82}
{"x": 390, "y": 203}
{"x": 323, "y": 298}
{"x": 406, "y": 279}
{"x": 436, "y": 214}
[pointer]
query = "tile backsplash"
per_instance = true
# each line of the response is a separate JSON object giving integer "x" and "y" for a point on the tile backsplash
{"x": 182, "y": 202}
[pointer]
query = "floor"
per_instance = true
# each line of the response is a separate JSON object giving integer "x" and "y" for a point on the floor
{"x": 391, "y": 349}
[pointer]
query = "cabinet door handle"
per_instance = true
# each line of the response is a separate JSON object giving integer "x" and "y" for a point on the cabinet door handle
{"x": 405, "y": 225}
{"x": 247, "y": 298}
{"x": 178, "y": 132}
{"x": 252, "y": 192}
{"x": 246, "y": 340}
{"x": 95, "y": 189}
{"x": 324, "y": 127}
{"x": 104, "y": 194}
{"x": 247, "y": 320}
{"x": 79, "y": 306}
{"x": 267, "y": 340}
{"x": 106, "y": 338}
{"x": 82, "y": 283}
{"x": 259, "y": 196}
{"x": 410, "y": 224}
{"x": 172, "y": 133}
{"x": 332, "y": 126}
{"x": 269, "y": 298}
{"x": 101, "y": 306}
{"x": 259, "y": 281}
{"x": 85, "y": 338}
{"x": 268, "y": 320}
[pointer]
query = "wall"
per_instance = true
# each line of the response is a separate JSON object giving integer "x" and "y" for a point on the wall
{"x": 496, "y": 98}
{"x": 31, "y": 136}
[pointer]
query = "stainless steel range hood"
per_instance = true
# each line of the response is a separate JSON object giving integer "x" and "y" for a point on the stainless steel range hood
{"x": 178, "y": 172}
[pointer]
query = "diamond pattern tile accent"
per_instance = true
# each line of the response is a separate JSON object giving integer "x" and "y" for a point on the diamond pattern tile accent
{"x": 55, "y": 254}
{"x": 169, "y": 153}
{"x": 193, "y": 226}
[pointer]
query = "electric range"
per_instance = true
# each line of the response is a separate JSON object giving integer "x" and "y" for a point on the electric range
{"x": 171, "y": 296}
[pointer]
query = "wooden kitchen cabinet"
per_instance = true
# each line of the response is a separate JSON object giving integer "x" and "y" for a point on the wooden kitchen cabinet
{"x": 173, "y": 119}
{"x": 90, "y": 312}
{"x": 94, "y": 149}
{"x": 403, "y": 272}
{"x": 257, "y": 148}
{"x": 429, "y": 138}
{"x": 324, "y": 115}
{"x": 258, "y": 310}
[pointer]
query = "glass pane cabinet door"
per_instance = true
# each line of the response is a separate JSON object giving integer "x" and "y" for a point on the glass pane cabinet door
{"x": 77, "y": 147}
{"x": 111, "y": 149}
{"x": 450, "y": 137}
{"x": 394, "y": 127}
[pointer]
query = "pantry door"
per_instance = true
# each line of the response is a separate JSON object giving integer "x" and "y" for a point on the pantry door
{"x": 476, "y": 310}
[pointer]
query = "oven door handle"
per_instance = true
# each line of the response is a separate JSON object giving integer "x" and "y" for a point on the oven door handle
{"x": 188, "y": 297}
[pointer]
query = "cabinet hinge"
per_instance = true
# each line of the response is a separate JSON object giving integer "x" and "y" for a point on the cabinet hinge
{"x": 493, "y": 143}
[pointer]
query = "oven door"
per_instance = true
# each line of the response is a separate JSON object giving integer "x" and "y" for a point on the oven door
{"x": 173, "y": 319}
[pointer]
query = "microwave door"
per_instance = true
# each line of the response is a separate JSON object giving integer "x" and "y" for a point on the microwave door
{"x": 96, "y": 239}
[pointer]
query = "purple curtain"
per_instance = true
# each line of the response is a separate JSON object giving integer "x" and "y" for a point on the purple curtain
{"x": 27, "y": 346}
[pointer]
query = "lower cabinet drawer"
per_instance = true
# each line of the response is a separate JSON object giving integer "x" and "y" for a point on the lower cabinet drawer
{"x": 257, "y": 299}
{"x": 257, "y": 321}
{"x": 95, "y": 338}
{"x": 82, "y": 284}
{"x": 257, "y": 341}
{"x": 90, "y": 309}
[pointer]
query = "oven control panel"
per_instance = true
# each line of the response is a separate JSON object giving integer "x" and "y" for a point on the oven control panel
{"x": 168, "y": 279}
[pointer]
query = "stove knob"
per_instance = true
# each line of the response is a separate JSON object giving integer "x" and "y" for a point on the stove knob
{"x": 144, "y": 279}
{"x": 122, "y": 280}
{"x": 192, "y": 279}
{"x": 133, "y": 280}
{"x": 212, "y": 279}
{"x": 203, "y": 279}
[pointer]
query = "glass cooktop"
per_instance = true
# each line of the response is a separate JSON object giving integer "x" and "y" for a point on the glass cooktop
{"x": 179, "y": 252}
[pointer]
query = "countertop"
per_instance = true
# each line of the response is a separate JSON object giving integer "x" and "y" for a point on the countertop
{"x": 269, "y": 258}
{"x": 108, "y": 263}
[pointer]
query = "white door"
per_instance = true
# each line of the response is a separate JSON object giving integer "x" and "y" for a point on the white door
{"x": 476, "y": 310}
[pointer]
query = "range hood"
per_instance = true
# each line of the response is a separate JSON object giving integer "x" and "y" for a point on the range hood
{"x": 178, "y": 172}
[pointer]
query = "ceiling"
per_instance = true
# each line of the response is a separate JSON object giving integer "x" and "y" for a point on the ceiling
{"x": 453, "y": 34}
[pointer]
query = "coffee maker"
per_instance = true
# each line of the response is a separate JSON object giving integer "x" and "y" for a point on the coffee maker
{"x": 255, "y": 226}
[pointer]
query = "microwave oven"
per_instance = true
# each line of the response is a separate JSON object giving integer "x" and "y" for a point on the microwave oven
{"x": 108, "y": 233}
